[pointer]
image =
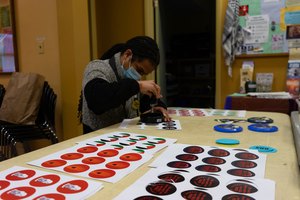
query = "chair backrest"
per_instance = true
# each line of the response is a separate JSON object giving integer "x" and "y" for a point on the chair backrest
{"x": 2, "y": 93}
{"x": 47, "y": 106}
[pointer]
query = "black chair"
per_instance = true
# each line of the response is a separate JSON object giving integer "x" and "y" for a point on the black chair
{"x": 44, "y": 127}
{"x": 2, "y": 93}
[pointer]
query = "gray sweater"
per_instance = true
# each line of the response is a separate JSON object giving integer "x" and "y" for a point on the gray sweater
{"x": 104, "y": 97}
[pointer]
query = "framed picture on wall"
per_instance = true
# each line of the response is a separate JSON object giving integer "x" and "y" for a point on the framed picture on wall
{"x": 8, "y": 46}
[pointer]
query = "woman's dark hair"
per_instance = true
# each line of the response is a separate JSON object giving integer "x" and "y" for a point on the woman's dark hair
{"x": 142, "y": 47}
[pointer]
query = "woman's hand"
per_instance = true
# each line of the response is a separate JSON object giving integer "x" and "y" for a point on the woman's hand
{"x": 163, "y": 111}
{"x": 147, "y": 86}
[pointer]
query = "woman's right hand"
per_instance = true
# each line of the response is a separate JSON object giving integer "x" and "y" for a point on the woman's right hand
{"x": 147, "y": 86}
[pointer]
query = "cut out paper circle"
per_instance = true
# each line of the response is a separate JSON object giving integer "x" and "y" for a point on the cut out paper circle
{"x": 205, "y": 181}
{"x": 131, "y": 157}
{"x": 4, "y": 184}
{"x": 227, "y": 141}
{"x": 148, "y": 198}
{"x": 228, "y": 128}
{"x": 117, "y": 165}
{"x": 122, "y": 135}
{"x": 71, "y": 156}
{"x": 236, "y": 196}
{"x": 102, "y": 173}
{"x": 54, "y": 163}
{"x": 161, "y": 188}
{"x": 76, "y": 168}
{"x": 157, "y": 141}
{"x": 218, "y": 152}
{"x": 208, "y": 168}
{"x": 196, "y": 194}
{"x": 262, "y": 128}
{"x": 128, "y": 142}
{"x": 241, "y": 172}
{"x": 179, "y": 164}
{"x": 108, "y": 153}
{"x": 244, "y": 164}
{"x": 246, "y": 156}
{"x": 87, "y": 149}
{"x": 187, "y": 157}
{"x": 20, "y": 175}
{"x": 264, "y": 149}
{"x": 193, "y": 149}
{"x": 72, "y": 187}
{"x": 146, "y": 146}
{"x": 214, "y": 160}
{"x": 110, "y": 139}
{"x": 51, "y": 196}
{"x": 93, "y": 160}
{"x": 242, "y": 186}
{"x": 261, "y": 120}
{"x": 99, "y": 143}
{"x": 172, "y": 178}
{"x": 45, "y": 180}
{"x": 117, "y": 147}
{"x": 18, "y": 193}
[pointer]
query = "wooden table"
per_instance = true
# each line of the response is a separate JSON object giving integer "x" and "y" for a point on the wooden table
{"x": 281, "y": 166}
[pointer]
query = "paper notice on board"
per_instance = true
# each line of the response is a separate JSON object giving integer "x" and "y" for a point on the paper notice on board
{"x": 294, "y": 43}
{"x": 294, "y": 54}
{"x": 277, "y": 42}
{"x": 291, "y": 3}
{"x": 259, "y": 27}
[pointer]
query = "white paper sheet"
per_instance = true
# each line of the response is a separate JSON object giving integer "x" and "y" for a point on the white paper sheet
{"x": 105, "y": 164}
{"x": 167, "y": 184}
{"x": 129, "y": 141}
{"x": 219, "y": 160}
{"x": 259, "y": 26}
{"x": 231, "y": 113}
{"x": 25, "y": 183}
{"x": 136, "y": 124}
{"x": 188, "y": 112}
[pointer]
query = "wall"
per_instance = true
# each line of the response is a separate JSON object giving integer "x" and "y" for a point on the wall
{"x": 35, "y": 19}
{"x": 64, "y": 25}
{"x": 273, "y": 64}
{"x": 118, "y": 21}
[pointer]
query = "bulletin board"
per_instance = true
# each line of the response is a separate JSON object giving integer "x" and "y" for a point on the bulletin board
{"x": 269, "y": 26}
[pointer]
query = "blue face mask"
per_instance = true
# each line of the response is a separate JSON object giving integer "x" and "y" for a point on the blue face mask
{"x": 131, "y": 72}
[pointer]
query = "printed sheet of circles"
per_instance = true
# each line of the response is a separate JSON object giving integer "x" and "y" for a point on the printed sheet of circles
{"x": 135, "y": 124}
{"x": 163, "y": 183}
{"x": 24, "y": 183}
{"x": 220, "y": 160}
{"x": 188, "y": 112}
{"x": 107, "y": 157}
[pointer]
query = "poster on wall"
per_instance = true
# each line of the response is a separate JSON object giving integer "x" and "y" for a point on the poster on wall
{"x": 8, "y": 50}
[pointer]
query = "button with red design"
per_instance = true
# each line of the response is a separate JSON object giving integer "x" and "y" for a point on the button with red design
{"x": 72, "y": 187}
{"x": 50, "y": 196}
{"x": 18, "y": 193}
{"x": 20, "y": 175}
{"x": 71, "y": 156}
{"x": 102, "y": 173}
{"x": 54, "y": 163}
{"x": 93, "y": 160}
{"x": 88, "y": 149}
{"x": 45, "y": 180}
{"x": 76, "y": 168}
{"x": 108, "y": 153}
{"x": 131, "y": 157}
{"x": 4, "y": 184}
{"x": 117, "y": 165}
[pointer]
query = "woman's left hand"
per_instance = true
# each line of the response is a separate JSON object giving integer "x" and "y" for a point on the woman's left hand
{"x": 163, "y": 111}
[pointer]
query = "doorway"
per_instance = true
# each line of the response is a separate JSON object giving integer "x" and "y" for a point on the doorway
{"x": 185, "y": 32}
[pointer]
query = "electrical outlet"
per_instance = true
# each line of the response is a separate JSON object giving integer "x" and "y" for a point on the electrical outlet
{"x": 41, "y": 47}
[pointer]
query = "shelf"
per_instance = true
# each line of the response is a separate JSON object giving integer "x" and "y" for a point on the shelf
{"x": 194, "y": 59}
{"x": 197, "y": 96}
{"x": 195, "y": 78}
{"x": 262, "y": 55}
